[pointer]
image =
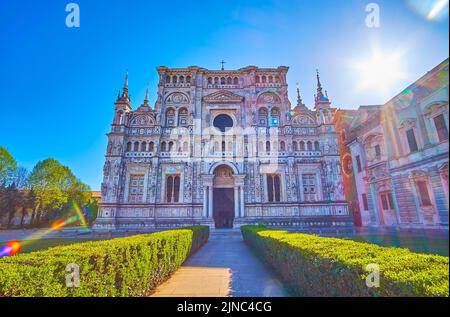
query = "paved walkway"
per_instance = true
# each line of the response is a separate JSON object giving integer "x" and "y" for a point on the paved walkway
{"x": 225, "y": 266}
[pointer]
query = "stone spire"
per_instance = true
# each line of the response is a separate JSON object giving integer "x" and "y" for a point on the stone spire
{"x": 146, "y": 97}
{"x": 300, "y": 105}
{"x": 125, "y": 86}
{"x": 319, "y": 85}
{"x": 321, "y": 99}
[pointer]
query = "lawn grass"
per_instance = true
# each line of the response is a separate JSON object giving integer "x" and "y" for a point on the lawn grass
{"x": 427, "y": 245}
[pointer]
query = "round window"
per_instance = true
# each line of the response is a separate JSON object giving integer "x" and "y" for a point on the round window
{"x": 223, "y": 122}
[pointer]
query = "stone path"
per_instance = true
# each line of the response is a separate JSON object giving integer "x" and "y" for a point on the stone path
{"x": 225, "y": 266}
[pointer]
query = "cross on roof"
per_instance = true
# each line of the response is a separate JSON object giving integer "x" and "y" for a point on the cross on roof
{"x": 222, "y": 62}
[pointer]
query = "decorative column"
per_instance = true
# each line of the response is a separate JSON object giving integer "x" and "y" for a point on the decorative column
{"x": 205, "y": 201}
{"x": 236, "y": 202}
{"x": 210, "y": 202}
{"x": 207, "y": 195}
{"x": 242, "y": 201}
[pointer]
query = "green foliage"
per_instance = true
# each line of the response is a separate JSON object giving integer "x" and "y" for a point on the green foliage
{"x": 8, "y": 166}
{"x": 10, "y": 200}
{"x": 319, "y": 266}
{"x": 54, "y": 186}
{"x": 130, "y": 266}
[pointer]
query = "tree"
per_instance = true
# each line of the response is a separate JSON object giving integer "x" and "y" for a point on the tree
{"x": 20, "y": 177}
{"x": 29, "y": 203}
{"x": 10, "y": 200}
{"x": 51, "y": 183}
{"x": 8, "y": 166}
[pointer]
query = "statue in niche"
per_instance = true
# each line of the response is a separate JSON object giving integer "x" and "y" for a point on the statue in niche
{"x": 109, "y": 148}
{"x": 116, "y": 168}
{"x": 104, "y": 189}
{"x": 106, "y": 168}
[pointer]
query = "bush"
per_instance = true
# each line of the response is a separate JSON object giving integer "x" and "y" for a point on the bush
{"x": 130, "y": 266}
{"x": 319, "y": 266}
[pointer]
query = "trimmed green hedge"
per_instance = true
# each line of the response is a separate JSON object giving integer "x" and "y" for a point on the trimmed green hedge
{"x": 319, "y": 266}
{"x": 130, "y": 266}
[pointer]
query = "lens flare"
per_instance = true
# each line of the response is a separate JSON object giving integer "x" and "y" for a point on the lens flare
{"x": 11, "y": 248}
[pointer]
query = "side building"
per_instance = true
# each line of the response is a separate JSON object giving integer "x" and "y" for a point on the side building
{"x": 399, "y": 152}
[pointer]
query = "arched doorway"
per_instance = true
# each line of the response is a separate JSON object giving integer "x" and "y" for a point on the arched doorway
{"x": 223, "y": 197}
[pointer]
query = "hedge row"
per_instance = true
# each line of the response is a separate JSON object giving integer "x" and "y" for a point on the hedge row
{"x": 130, "y": 266}
{"x": 317, "y": 266}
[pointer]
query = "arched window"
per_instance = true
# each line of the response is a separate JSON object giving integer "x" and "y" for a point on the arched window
{"x": 174, "y": 79}
{"x": 188, "y": 79}
{"x": 120, "y": 117}
{"x": 309, "y": 145}
{"x": 264, "y": 79}
{"x": 270, "y": 79}
{"x": 216, "y": 80}
{"x": 294, "y": 146}
{"x": 181, "y": 79}
{"x": 172, "y": 188}
{"x": 163, "y": 147}
{"x": 262, "y": 117}
{"x": 185, "y": 146}
{"x": 176, "y": 188}
{"x": 273, "y": 187}
{"x": 316, "y": 146}
{"x": 275, "y": 117}
{"x": 170, "y": 117}
{"x": 267, "y": 146}
{"x": 136, "y": 147}
{"x": 302, "y": 146}
{"x": 167, "y": 79}
{"x": 223, "y": 146}
{"x": 282, "y": 146}
{"x": 257, "y": 79}
{"x": 129, "y": 147}
{"x": 170, "y": 146}
{"x": 169, "y": 188}
{"x": 210, "y": 81}
{"x": 277, "y": 79}
{"x": 144, "y": 146}
{"x": 235, "y": 81}
{"x": 151, "y": 146}
{"x": 182, "y": 117}
{"x": 229, "y": 81}
{"x": 216, "y": 146}
{"x": 222, "y": 81}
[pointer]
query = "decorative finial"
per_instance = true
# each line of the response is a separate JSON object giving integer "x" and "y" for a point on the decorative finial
{"x": 125, "y": 85}
{"x": 146, "y": 97}
{"x": 319, "y": 85}
{"x": 222, "y": 62}
{"x": 299, "y": 99}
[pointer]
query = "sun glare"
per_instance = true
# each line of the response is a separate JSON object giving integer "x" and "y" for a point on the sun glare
{"x": 379, "y": 72}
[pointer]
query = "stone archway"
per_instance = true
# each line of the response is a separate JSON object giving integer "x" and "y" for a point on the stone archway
{"x": 223, "y": 197}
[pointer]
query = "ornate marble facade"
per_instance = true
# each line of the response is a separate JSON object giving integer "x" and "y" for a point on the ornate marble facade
{"x": 224, "y": 148}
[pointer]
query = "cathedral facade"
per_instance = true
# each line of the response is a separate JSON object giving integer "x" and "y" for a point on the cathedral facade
{"x": 222, "y": 148}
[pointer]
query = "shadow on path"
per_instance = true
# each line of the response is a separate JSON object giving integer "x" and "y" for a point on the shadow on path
{"x": 225, "y": 266}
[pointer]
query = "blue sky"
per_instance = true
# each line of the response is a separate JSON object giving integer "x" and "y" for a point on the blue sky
{"x": 58, "y": 85}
